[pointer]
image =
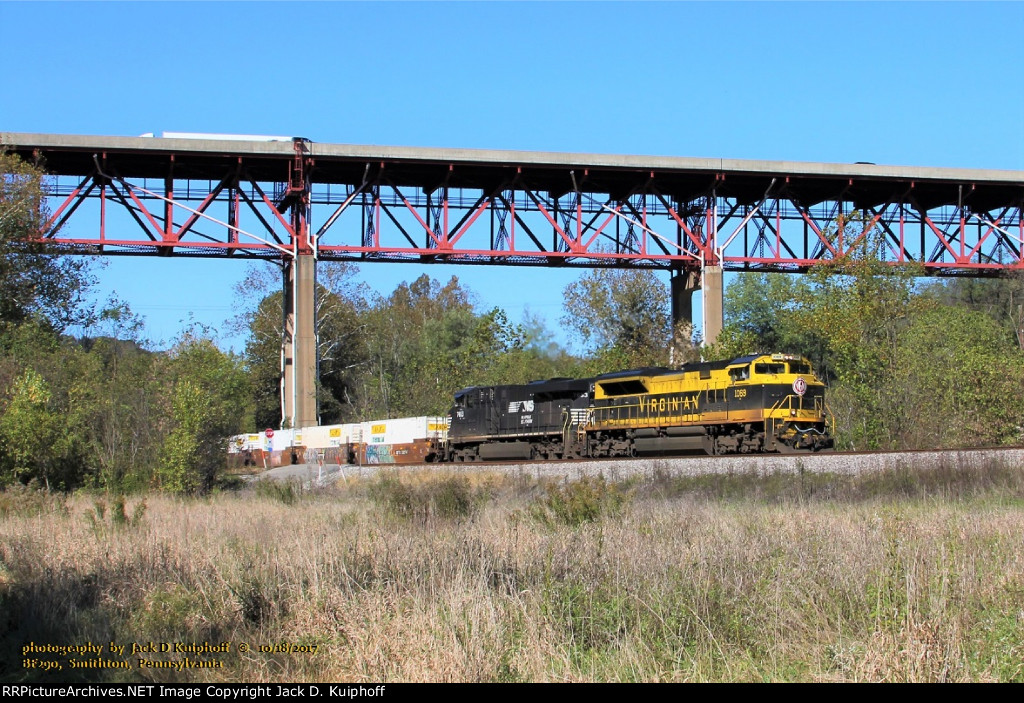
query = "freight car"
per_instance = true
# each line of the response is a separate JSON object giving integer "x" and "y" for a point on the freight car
{"x": 282, "y": 448}
{"x": 755, "y": 403}
{"x": 408, "y": 440}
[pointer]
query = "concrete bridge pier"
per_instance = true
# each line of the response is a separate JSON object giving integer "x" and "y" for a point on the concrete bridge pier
{"x": 710, "y": 281}
{"x": 298, "y": 345}
{"x": 299, "y": 359}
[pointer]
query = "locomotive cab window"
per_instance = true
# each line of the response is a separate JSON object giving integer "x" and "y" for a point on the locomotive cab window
{"x": 799, "y": 367}
{"x": 769, "y": 368}
{"x": 739, "y": 373}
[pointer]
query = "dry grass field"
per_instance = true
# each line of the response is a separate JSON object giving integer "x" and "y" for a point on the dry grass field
{"x": 893, "y": 577}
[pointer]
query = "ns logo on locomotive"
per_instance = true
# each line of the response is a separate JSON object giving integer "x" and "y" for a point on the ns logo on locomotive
{"x": 757, "y": 403}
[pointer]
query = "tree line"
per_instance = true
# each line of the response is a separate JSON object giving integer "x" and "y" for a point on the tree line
{"x": 909, "y": 364}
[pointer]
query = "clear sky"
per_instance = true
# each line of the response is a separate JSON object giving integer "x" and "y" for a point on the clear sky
{"x": 892, "y": 83}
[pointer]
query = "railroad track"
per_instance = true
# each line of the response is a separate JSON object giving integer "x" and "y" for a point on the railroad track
{"x": 849, "y": 463}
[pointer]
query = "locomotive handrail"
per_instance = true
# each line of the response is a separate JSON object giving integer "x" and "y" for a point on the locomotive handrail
{"x": 566, "y": 424}
{"x": 788, "y": 399}
{"x": 830, "y": 418}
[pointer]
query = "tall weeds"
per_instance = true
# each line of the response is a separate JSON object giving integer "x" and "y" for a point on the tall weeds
{"x": 776, "y": 581}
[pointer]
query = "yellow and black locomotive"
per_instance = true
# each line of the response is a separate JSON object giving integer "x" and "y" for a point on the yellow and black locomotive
{"x": 756, "y": 403}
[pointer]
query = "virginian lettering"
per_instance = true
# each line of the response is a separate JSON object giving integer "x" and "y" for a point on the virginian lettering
{"x": 680, "y": 404}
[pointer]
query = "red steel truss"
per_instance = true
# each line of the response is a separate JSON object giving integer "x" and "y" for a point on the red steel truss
{"x": 220, "y": 197}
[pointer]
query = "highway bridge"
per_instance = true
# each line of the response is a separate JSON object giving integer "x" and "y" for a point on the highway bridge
{"x": 298, "y": 201}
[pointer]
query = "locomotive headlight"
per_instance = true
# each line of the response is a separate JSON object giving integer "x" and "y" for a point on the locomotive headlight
{"x": 792, "y": 413}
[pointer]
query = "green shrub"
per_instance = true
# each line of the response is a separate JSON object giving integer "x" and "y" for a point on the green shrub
{"x": 449, "y": 497}
{"x": 282, "y": 491}
{"x": 118, "y": 515}
{"x": 578, "y": 502}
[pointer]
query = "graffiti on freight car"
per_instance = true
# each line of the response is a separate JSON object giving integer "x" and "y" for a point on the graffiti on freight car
{"x": 328, "y": 455}
{"x": 380, "y": 454}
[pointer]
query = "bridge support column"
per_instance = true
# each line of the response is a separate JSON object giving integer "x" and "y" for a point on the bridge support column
{"x": 714, "y": 303}
{"x": 298, "y": 382}
{"x": 683, "y": 286}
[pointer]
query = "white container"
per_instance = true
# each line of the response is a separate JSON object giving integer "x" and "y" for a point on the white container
{"x": 327, "y": 436}
{"x": 246, "y": 443}
{"x": 404, "y": 430}
{"x": 282, "y": 440}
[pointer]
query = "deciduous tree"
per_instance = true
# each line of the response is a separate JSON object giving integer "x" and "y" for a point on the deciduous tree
{"x": 209, "y": 396}
{"x": 35, "y": 280}
{"x": 622, "y": 318}
{"x": 38, "y": 439}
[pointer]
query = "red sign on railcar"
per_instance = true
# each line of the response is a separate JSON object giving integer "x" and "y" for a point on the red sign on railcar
{"x": 269, "y": 433}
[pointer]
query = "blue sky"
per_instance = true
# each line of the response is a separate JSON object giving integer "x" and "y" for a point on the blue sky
{"x": 893, "y": 83}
